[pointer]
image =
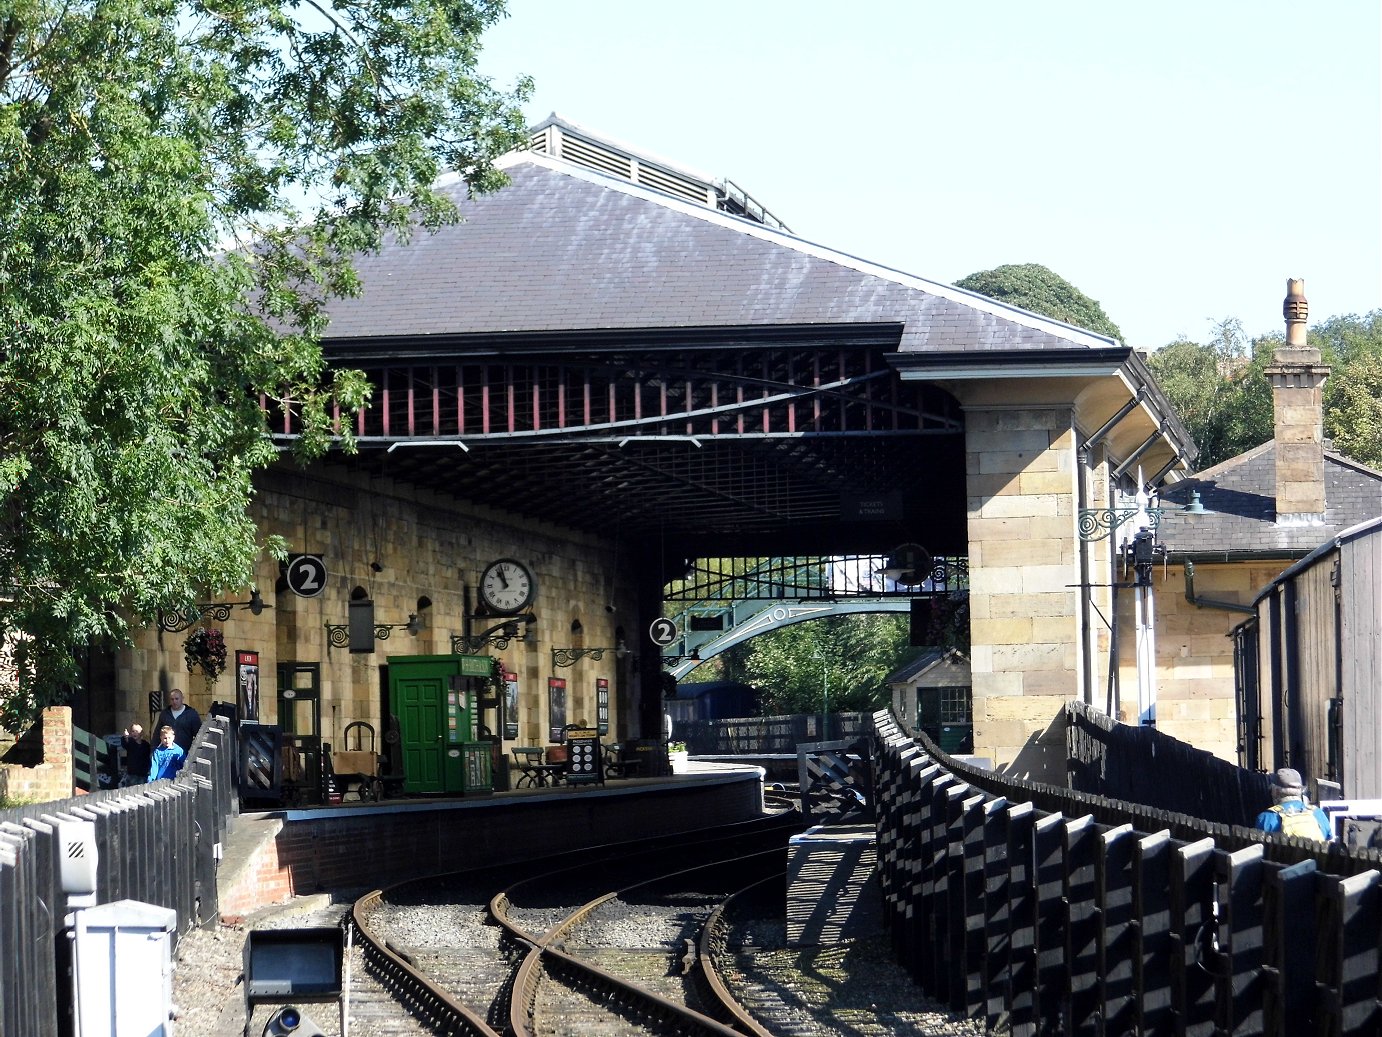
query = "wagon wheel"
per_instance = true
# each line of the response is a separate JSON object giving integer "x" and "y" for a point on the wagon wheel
{"x": 367, "y": 789}
{"x": 376, "y": 789}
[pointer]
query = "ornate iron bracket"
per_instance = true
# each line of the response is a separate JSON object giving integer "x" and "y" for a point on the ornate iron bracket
{"x": 216, "y": 611}
{"x": 571, "y": 656}
{"x": 500, "y": 635}
{"x": 338, "y": 634}
{"x": 1098, "y": 523}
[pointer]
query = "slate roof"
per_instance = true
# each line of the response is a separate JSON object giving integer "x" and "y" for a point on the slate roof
{"x": 564, "y": 249}
{"x": 951, "y": 669}
{"x": 1240, "y": 495}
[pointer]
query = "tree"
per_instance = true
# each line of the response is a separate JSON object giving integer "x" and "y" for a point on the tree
{"x": 1219, "y": 389}
{"x": 1031, "y": 286}
{"x": 850, "y": 655}
{"x": 1352, "y": 345}
{"x": 182, "y": 185}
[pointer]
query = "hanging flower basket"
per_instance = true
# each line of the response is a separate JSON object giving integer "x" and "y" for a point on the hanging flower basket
{"x": 205, "y": 650}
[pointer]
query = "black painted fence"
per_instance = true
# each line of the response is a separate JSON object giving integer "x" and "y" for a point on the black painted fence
{"x": 1147, "y": 766}
{"x": 1044, "y": 910}
{"x": 157, "y": 843}
{"x": 748, "y": 736}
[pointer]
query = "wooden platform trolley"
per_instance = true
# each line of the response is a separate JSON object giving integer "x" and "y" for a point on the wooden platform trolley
{"x": 356, "y": 767}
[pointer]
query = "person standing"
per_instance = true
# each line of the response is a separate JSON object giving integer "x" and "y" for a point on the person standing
{"x": 182, "y": 718}
{"x": 1291, "y": 814}
{"x": 138, "y": 756}
{"x": 168, "y": 757}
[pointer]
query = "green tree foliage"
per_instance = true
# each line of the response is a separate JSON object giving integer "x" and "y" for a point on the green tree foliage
{"x": 1352, "y": 345}
{"x": 843, "y": 658}
{"x": 1219, "y": 390}
{"x": 140, "y": 142}
{"x": 1031, "y": 286}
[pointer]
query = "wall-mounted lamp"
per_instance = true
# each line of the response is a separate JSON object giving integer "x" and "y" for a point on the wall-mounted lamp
{"x": 356, "y": 634}
{"x": 219, "y": 611}
{"x": 692, "y": 656}
{"x": 909, "y": 564}
{"x": 1195, "y": 505}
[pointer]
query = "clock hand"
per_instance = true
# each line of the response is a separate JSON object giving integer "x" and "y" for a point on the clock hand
{"x": 502, "y": 578}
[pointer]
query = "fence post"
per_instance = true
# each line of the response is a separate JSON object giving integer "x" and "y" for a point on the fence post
{"x": 1239, "y": 877}
{"x": 1154, "y": 948}
{"x": 1288, "y": 945}
{"x": 1081, "y": 926}
{"x": 1348, "y": 982}
{"x": 996, "y": 920}
{"x": 1192, "y": 921}
{"x": 965, "y": 865}
{"x": 1114, "y": 897}
{"x": 1020, "y": 969}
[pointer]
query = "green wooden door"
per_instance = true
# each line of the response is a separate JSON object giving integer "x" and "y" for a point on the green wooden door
{"x": 434, "y": 703}
{"x": 418, "y": 703}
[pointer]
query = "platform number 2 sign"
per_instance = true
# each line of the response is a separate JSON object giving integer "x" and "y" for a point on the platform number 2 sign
{"x": 662, "y": 631}
{"x": 306, "y": 575}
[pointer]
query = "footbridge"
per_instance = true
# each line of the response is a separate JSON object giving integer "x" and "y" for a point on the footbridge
{"x": 722, "y": 602}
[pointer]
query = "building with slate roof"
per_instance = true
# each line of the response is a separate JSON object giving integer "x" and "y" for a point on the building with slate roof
{"x": 1253, "y": 515}
{"x": 614, "y": 365}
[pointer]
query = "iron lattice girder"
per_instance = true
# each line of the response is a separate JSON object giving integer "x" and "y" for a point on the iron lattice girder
{"x": 702, "y": 394}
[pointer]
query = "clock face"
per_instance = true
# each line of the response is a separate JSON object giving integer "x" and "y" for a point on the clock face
{"x": 507, "y": 586}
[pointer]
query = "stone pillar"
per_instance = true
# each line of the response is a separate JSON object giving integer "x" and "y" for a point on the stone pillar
{"x": 1024, "y": 571}
{"x": 1297, "y": 378}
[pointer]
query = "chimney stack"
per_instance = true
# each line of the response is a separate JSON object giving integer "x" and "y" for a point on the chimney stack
{"x": 1297, "y": 378}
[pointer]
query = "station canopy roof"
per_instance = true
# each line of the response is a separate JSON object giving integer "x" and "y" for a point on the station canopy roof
{"x": 592, "y": 350}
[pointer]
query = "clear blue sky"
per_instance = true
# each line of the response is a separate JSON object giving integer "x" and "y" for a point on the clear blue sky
{"x": 1175, "y": 161}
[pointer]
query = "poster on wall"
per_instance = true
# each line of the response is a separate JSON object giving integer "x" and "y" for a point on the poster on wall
{"x": 556, "y": 708}
{"x": 510, "y": 704}
{"x": 602, "y": 705}
{"x": 247, "y": 685}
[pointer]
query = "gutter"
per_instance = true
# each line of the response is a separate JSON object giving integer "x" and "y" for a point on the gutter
{"x": 1210, "y": 603}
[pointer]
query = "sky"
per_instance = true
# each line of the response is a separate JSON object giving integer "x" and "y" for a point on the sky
{"x": 1175, "y": 161}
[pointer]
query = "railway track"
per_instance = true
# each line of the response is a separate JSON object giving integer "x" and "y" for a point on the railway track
{"x": 521, "y": 947}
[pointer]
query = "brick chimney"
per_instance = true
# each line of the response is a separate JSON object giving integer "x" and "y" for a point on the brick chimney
{"x": 1297, "y": 378}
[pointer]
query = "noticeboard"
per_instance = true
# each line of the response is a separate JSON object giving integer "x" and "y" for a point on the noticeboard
{"x": 583, "y": 756}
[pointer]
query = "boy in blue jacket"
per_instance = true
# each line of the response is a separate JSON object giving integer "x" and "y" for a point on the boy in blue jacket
{"x": 168, "y": 757}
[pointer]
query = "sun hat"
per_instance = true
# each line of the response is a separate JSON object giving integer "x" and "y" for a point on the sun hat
{"x": 1287, "y": 779}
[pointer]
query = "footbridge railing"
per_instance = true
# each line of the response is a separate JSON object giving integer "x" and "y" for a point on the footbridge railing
{"x": 1042, "y": 910}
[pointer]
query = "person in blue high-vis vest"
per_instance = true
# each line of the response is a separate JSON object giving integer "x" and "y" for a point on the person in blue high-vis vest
{"x": 1291, "y": 814}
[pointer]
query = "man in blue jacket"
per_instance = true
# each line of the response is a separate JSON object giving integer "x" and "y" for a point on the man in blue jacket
{"x": 1291, "y": 815}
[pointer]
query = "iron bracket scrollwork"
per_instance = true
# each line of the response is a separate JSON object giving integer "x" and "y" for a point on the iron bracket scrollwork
{"x": 338, "y": 634}
{"x": 500, "y": 636}
{"x": 571, "y": 656}
{"x": 1098, "y": 523}
{"x": 178, "y": 619}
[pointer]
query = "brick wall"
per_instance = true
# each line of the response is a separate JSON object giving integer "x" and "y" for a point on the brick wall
{"x": 364, "y": 848}
{"x": 50, "y": 777}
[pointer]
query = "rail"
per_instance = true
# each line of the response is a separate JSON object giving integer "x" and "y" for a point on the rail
{"x": 1052, "y": 910}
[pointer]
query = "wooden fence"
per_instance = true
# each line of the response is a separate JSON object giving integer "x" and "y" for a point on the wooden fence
{"x": 1044, "y": 910}
{"x": 1146, "y": 766}
{"x": 750, "y": 736}
{"x": 156, "y": 843}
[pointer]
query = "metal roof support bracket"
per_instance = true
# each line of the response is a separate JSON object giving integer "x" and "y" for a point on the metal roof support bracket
{"x": 1137, "y": 454}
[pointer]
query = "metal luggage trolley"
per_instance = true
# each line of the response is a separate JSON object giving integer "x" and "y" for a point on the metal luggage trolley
{"x": 357, "y": 766}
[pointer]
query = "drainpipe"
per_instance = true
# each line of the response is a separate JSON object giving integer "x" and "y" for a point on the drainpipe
{"x": 1210, "y": 603}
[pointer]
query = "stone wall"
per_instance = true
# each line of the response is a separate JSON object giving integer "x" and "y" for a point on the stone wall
{"x": 403, "y": 548}
{"x": 1023, "y": 568}
{"x": 38, "y": 766}
{"x": 1194, "y": 654}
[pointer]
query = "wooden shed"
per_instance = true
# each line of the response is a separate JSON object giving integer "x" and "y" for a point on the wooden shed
{"x": 1308, "y": 666}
